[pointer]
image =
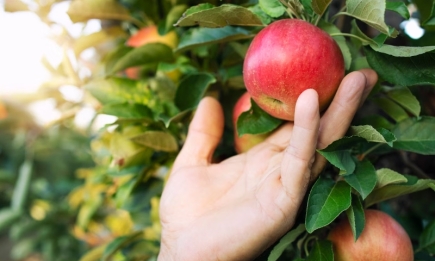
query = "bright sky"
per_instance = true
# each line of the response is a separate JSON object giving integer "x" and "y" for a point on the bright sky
{"x": 25, "y": 41}
{"x": 22, "y": 47}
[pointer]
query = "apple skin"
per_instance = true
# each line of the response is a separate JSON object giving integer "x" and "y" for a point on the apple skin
{"x": 148, "y": 35}
{"x": 286, "y": 58}
{"x": 245, "y": 142}
{"x": 383, "y": 239}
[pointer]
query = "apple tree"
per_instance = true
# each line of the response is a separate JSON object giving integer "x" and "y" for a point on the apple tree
{"x": 191, "y": 49}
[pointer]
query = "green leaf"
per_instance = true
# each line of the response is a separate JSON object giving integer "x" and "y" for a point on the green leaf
{"x": 403, "y": 71}
{"x": 128, "y": 111}
{"x": 395, "y": 111}
{"x": 427, "y": 238}
{"x": 265, "y": 18}
{"x": 308, "y": 7}
{"x": 87, "y": 210}
{"x": 285, "y": 241}
{"x": 157, "y": 140}
{"x": 174, "y": 14}
{"x": 377, "y": 121}
{"x": 396, "y": 190}
{"x": 94, "y": 254}
{"x": 120, "y": 90}
{"x": 387, "y": 176}
{"x": 21, "y": 189}
{"x": 92, "y": 40}
{"x": 403, "y": 51}
{"x": 406, "y": 99}
{"x": 372, "y": 135}
{"x": 430, "y": 19}
{"x": 192, "y": 89}
{"x": 341, "y": 41}
{"x": 221, "y": 16}
{"x": 364, "y": 39}
{"x": 327, "y": 200}
{"x": 167, "y": 120}
{"x": 146, "y": 54}
{"x": 371, "y": 12}
{"x": 198, "y": 8}
{"x": 8, "y": 216}
{"x": 118, "y": 243}
{"x": 320, "y": 6}
{"x": 84, "y": 10}
{"x": 356, "y": 217}
{"x": 322, "y": 251}
{"x": 124, "y": 191}
{"x": 274, "y": 8}
{"x": 416, "y": 135}
{"x": 339, "y": 154}
{"x": 341, "y": 159}
{"x": 399, "y": 7}
{"x": 140, "y": 198}
{"x": 256, "y": 121}
{"x": 204, "y": 36}
{"x": 363, "y": 179}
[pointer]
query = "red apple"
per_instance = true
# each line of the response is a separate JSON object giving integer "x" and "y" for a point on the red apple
{"x": 383, "y": 239}
{"x": 286, "y": 58}
{"x": 247, "y": 141}
{"x": 148, "y": 35}
{"x": 3, "y": 111}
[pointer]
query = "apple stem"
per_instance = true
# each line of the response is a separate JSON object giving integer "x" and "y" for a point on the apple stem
{"x": 351, "y": 35}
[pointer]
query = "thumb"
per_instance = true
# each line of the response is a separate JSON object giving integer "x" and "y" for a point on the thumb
{"x": 205, "y": 132}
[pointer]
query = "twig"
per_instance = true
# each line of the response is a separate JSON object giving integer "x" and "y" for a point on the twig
{"x": 418, "y": 172}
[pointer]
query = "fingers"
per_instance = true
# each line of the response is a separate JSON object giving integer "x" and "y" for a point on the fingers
{"x": 297, "y": 159}
{"x": 352, "y": 92}
{"x": 205, "y": 132}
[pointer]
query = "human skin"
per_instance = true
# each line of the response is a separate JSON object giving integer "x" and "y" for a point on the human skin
{"x": 287, "y": 57}
{"x": 237, "y": 208}
{"x": 247, "y": 141}
{"x": 383, "y": 239}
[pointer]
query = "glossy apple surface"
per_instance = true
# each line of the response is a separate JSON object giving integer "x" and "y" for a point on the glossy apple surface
{"x": 247, "y": 141}
{"x": 287, "y": 57}
{"x": 383, "y": 239}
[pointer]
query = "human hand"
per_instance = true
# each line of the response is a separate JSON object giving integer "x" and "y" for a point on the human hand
{"x": 235, "y": 209}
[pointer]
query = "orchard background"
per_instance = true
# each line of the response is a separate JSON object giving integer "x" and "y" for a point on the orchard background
{"x": 87, "y": 193}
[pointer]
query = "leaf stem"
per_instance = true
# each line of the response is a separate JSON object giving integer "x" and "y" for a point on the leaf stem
{"x": 351, "y": 35}
{"x": 367, "y": 152}
{"x": 338, "y": 14}
{"x": 317, "y": 20}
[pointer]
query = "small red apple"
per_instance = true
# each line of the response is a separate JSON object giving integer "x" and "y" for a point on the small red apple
{"x": 247, "y": 141}
{"x": 383, "y": 239}
{"x": 148, "y": 35}
{"x": 3, "y": 111}
{"x": 286, "y": 58}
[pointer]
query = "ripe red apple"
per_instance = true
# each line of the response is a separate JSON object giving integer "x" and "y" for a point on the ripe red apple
{"x": 287, "y": 57}
{"x": 148, "y": 35}
{"x": 247, "y": 141}
{"x": 383, "y": 239}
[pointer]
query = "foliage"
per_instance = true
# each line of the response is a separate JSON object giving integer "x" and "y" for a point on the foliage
{"x": 371, "y": 166}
